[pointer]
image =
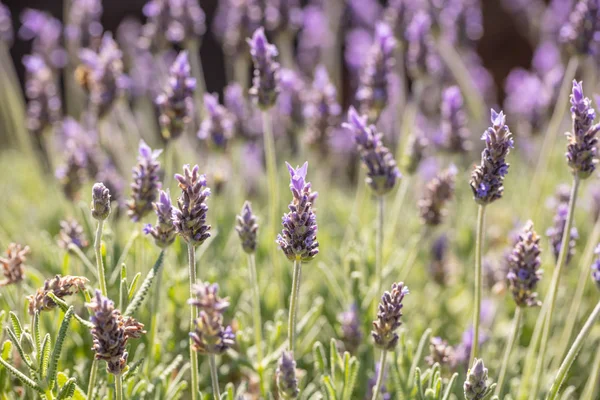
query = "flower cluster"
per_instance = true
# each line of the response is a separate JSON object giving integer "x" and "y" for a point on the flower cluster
{"x": 218, "y": 126}
{"x": 524, "y": 268}
{"x": 71, "y": 234}
{"x": 488, "y": 177}
{"x": 265, "y": 84}
{"x": 146, "y": 182}
{"x": 60, "y": 286}
{"x": 382, "y": 172}
{"x": 164, "y": 232}
{"x": 582, "y": 148}
{"x": 580, "y": 34}
{"x": 190, "y": 216}
{"x": 298, "y": 238}
{"x": 209, "y": 335}
{"x": 388, "y": 317}
{"x": 13, "y": 264}
{"x": 173, "y": 21}
{"x": 46, "y": 33}
{"x": 287, "y": 383}
{"x": 455, "y": 133}
{"x": 438, "y": 192}
{"x": 100, "y": 201}
{"x": 247, "y": 228}
{"x": 111, "y": 331}
{"x": 476, "y": 386}
{"x": 83, "y": 29}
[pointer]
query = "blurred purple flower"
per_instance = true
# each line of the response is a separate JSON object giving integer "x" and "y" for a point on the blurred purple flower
{"x": 322, "y": 111}
{"x": 581, "y": 34}
{"x": 44, "y": 106}
{"x": 314, "y": 38}
{"x": 83, "y": 28}
{"x": 218, "y": 126}
{"x": 46, "y": 32}
{"x": 265, "y": 84}
{"x": 235, "y": 20}
{"x": 173, "y": 21}
{"x": 6, "y": 27}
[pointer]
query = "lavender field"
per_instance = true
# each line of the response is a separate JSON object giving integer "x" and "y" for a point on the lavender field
{"x": 362, "y": 212}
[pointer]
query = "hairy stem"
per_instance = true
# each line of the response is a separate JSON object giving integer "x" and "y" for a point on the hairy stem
{"x": 294, "y": 306}
{"x": 92, "y": 380}
{"x": 214, "y": 377}
{"x": 508, "y": 349}
{"x": 478, "y": 283}
{"x": 380, "y": 373}
{"x": 257, "y": 321}
{"x": 193, "y": 355}
{"x": 379, "y": 244}
{"x": 118, "y": 387}
{"x": 99, "y": 261}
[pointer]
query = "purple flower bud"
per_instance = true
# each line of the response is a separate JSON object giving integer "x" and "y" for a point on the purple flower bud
{"x": 83, "y": 29}
{"x": 176, "y": 103}
{"x": 476, "y": 386}
{"x": 247, "y": 228}
{"x": 581, "y": 35}
{"x": 13, "y": 264}
{"x": 164, "y": 232}
{"x": 455, "y": 132}
{"x": 190, "y": 216}
{"x": 488, "y": 177}
{"x": 173, "y": 21}
{"x": 596, "y": 268}
{"x": 388, "y": 317}
{"x": 287, "y": 383}
{"x": 6, "y": 27}
{"x": 218, "y": 126}
{"x": 44, "y": 106}
{"x": 524, "y": 268}
{"x": 437, "y": 193}
{"x": 100, "y": 201}
{"x": 46, "y": 33}
{"x": 582, "y": 149}
{"x": 146, "y": 182}
{"x": 265, "y": 84}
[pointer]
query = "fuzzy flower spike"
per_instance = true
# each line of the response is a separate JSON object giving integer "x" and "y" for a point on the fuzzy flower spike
{"x": 287, "y": 383}
{"x": 488, "y": 177}
{"x": 60, "y": 286}
{"x": 100, "y": 202}
{"x": 146, "y": 182}
{"x": 582, "y": 150}
{"x": 476, "y": 386}
{"x": 218, "y": 126}
{"x": 247, "y": 228}
{"x": 438, "y": 192}
{"x": 265, "y": 84}
{"x": 388, "y": 317}
{"x": 164, "y": 231}
{"x": 13, "y": 264}
{"x": 524, "y": 267}
{"x": 190, "y": 216}
{"x": 298, "y": 238}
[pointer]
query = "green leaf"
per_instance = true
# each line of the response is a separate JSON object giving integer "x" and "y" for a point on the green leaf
{"x": 139, "y": 297}
{"x": 419, "y": 353}
{"x": 65, "y": 307}
{"x": 37, "y": 335}
{"x": 15, "y": 341}
{"x": 131, "y": 371}
{"x": 6, "y": 349}
{"x": 123, "y": 295}
{"x": 330, "y": 390}
{"x": 171, "y": 367}
{"x": 229, "y": 392}
{"x": 62, "y": 334}
{"x": 349, "y": 387}
{"x": 418, "y": 387}
{"x": 67, "y": 390}
{"x": 45, "y": 355}
{"x": 16, "y": 324}
{"x": 21, "y": 376}
{"x": 133, "y": 285}
{"x": 319, "y": 356}
{"x": 450, "y": 386}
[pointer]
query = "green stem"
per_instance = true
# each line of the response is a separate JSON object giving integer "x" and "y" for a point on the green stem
{"x": 509, "y": 346}
{"x": 118, "y": 387}
{"x": 193, "y": 355}
{"x": 478, "y": 283}
{"x": 214, "y": 377}
{"x": 294, "y": 305}
{"x": 593, "y": 379}
{"x": 531, "y": 352}
{"x": 257, "y": 321}
{"x": 155, "y": 317}
{"x": 573, "y": 351}
{"x": 379, "y": 244}
{"x": 92, "y": 380}
{"x": 99, "y": 261}
{"x": 380, "y": 373}
{"x": 397, "y": 206}
{"x": 551, "y": 297}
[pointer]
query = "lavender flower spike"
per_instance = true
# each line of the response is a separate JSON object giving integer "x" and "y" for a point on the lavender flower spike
{"x": 13, "y": 264}
{"x": 44, "y": 106}
{"x": 582, "y": 149}
{"x": 372, "y": 94}
{"x": 351, "y": 328}
{"x": 287, "y": 383}
{"x": 111, "y": 332}
{"x": 265, "y": 84}
{"x": 298, "y": 238}
{"x": 438, "y": 192}
{"x": 176, "y": 103}
{"x": 388, "y": 317}
{"x": 164, "y": 232}
{"x": 173, "y": 21}
{"x": 209, "y": 335}
{"x": 218, "y": 126}
{"x": 487, "y": 178}
{"x": 581, "y": 34}
{"x": 555, "y": 233}
{"x": 60, "y": 286}
{"x": 382, "y": 172}
{"x": 596, "y": 268}
{"x": 454, "y": 122}
{"x": 415, "y": 152}
{"x": 247, "y": 228}
{"x": 6, "y": 27}
{"x": 476, "y": 386}
{"x": 146, "y": 182}
{"x": 100, "y": 202}
{"x": 524, "y": 268}
{"x": 190, "y": 216}
{"x": 71, "y": 234}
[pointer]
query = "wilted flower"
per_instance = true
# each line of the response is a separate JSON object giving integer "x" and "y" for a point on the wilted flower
{"x": 71, "y": 234}
{"x": 173, "y": 21}
{"x": 209, "y": 335}
{"x": 247, "y": 228}
{"x": 488, "y": 177}
{"x": 415, "y": 152}
{"x": 351, "y": 328}
{"x": 437, "y": 193}
{"x": 580, "y": 34}
{"x": 287, "y": 383}
{"x": 218, "y": 126}
{"x": 6, "y": 27}
{"x": 60, "y": 286}
{"x": 596, "y": 268}
{"x": 164, "y": 232}
{"x": 524, "y": 268}
{"x": 44, "y": 106}
{"x": 13, "y": 264}
{"x": 146, "y": 182}
{"x": 111, "y": 332}
{"x": 440, "y": 352}
{"x": 582, "y": 148}
{"x": 265, "y": 84}
{"x": 190, "y": 216}
{"x": 298, "y": 238}
{"x": 100, "y": 201}
{"x": 388, "y": 317}
{"x": 455, "y": 133}
{"x": 176, "y": 103}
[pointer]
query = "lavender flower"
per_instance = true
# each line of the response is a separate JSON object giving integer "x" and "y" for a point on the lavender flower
{"x": 596, "y": 268}
{"x": 101, "y": 74}
{"x": 372, "y": 94}
{"x": 440, "y": 352}
{"x": 287, "y": 383}
{"x": 164, "y": 231}
{"x": 44, "y": 106}
{"x": 209, "y": 335}
{"x": 248, "y": 123}
{"x": 351, "y": 329}
{"x": 476, "y": 386}
{"x": 234, "y": 21}
{"x": 420, "y": 45}
{"x": 581, "y": 150}
{"x": 71, "y": 234}
{"x": 298, "y": 238}
{"x": 580, "y": 34}
{"x": 524, "y": 268}
{"x": 555, "y": 233}
{"x": 84, "y": 29}
{"x": 146, "y": 184}
{"x": 219, "y": 125}
{"x": 13, "y": 264}
{"x": 462, "y": 21}
{"x": 173, "y": 21}
{"x": 190, "y": 216}
{"x": 322, "y": 111}
{"x": 415, "y": 152}
{"x": 437, "y": 193}
{"x": 313, "y": 39}
{"x": 382, "y": 172}
{"x": 529, "y": 111}
{"x": 247, "y": 228}
{"x": 388, "y": 317}
{"x": 437, "y": 266}
{"x": 111, "y": 332}
{"x": 46, "y": 32}
{"x": 113, "y": 181}
{"x": 100, "y": 201}
{"x": 292, "y": 98}
{"x": 60, "y": 286}
{"x": 176, "y": 103}
{"x": 72, "y": 175}
{"x": 455, "y": 132}
{"x": 265, "y": 84}
{"x": 487, "y": 178}
{"x": 6, "y": 27}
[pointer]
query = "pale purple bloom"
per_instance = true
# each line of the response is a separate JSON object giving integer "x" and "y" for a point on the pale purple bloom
{"x": 582, "y": 149}
{"x": 596, "y": 268}
{"x": 358, "y": 41}
{"x": 313, "y": 39}
{"x": 174, "y": 21}
{"x": 529, "y": 111}
{"x": 6, "y": 27}
{"x": 146, "y": 182}
{"x": 83, "y": 28}
{"x": 420, "y": 45}
{"x": 265, "y": 83}
{"x": 44, "y": 106}
{"x": 292, "y": 98}
{"x": 164, "y": 231}
{"x": 248, "y": 123}
{"x": 234, "y": 21}
{"x": 189, "y": 217}
{"x": 455, "y": 132}
{"x": 46, "y": 32}
{"x": 218, "y": 126}
{"x": 581, "y": 35}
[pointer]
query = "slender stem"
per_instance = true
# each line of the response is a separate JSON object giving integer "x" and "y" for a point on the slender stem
{"x": 509, "y": 346}
{"x": 551, "y": 297}
{"x": 531, "y": 352}
{"x": 593, "y": 379}
{"x": 573, "y": 351}
{"x": 214, "y": 377}
{"x": 379, "y": 243}
{"x": 380, "y": 373}
{"x": 118, "y": 387}
{"x": 92, "y": 380}
{"x": 397, "y": 206}
{"x": 193, "y": 355}
{"x": 99, "y": 261}
{"x": 294, "y": 306}
{"x": 257, "y": 321}
{"x": 478, "y": 282}
{"x": 155, "y": 318}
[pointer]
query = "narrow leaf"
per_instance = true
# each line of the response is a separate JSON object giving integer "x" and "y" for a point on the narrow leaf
{"x": 62, "y": 334}
{"x": 450, "y": 386}
{"x": 45, "y": 355}
{"x": 65, "y": 307}
{"x": 140, "y": 296}
{"x": 67, "y": 390}
{"x": 133, "y": 285}
{"x": 21, "y": 376}
{"x": 319, "y": 356}
{"x": 16, "y": 324}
